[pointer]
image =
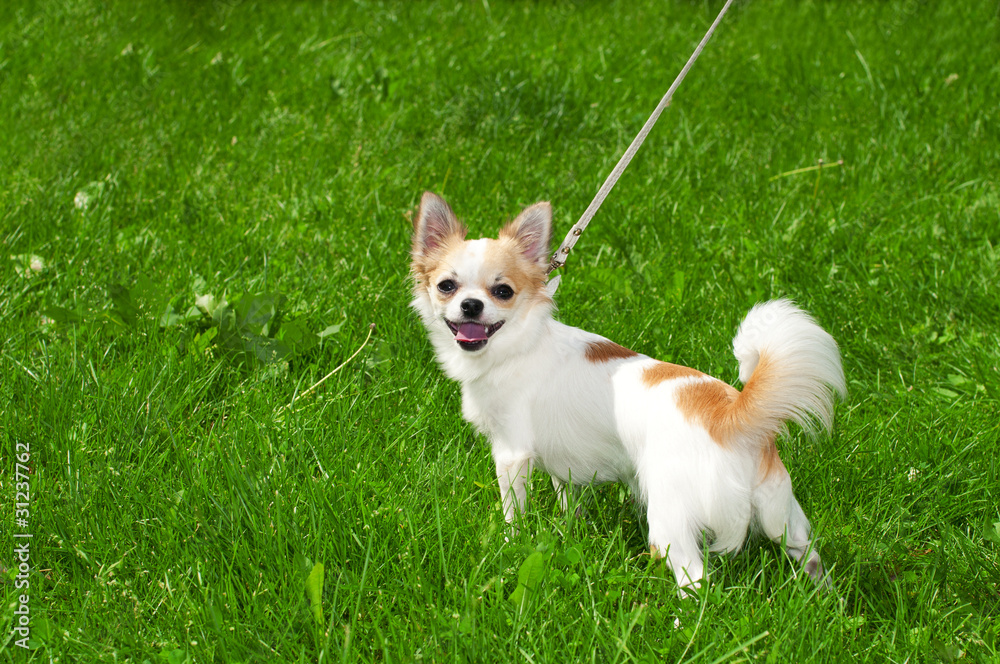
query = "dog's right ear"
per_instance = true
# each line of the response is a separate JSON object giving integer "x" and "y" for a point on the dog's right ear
{"x": 434, "y": 225}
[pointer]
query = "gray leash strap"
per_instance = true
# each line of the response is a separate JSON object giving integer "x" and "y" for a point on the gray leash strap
{"x": 559, "y": 257}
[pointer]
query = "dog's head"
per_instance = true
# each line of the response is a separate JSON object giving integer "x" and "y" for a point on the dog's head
{"x": 479, "y": 294}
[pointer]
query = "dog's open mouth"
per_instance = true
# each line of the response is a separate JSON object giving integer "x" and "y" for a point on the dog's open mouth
{"x": 472, "y": 336}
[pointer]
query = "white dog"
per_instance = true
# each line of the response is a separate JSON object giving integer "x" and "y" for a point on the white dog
{"x": 700, "y": 455}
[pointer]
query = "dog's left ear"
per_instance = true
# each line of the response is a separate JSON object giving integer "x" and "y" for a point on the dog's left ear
{"x": 532, "y": 230}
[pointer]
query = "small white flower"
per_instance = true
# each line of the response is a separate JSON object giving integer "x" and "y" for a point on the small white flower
{"x": 913, "y": 474}
{"x": 28, "y": 265}
{"x": 81, "y": 200}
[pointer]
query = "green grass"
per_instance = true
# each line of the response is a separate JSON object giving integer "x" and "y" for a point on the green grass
{"x": 155, "y": 152}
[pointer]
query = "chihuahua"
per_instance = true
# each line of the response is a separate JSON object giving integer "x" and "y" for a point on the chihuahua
{"x": 697, "y": 453}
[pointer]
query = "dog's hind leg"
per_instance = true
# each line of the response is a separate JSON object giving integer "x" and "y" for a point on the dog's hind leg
{"x": 799, "y": 545}
{"x": 781, "y": 518}
{"x": 673, "y": 537}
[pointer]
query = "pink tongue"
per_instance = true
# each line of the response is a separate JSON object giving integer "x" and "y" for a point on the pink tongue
{"x": 471, "y": 332}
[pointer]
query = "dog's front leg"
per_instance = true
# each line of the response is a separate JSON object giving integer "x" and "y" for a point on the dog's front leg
{"x": 564, "y": 492}
{"x": 561, "y": 489}
{"x": 513, "y": 471}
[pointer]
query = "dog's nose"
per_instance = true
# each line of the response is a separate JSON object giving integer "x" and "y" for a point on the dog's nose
{"x": 472, "y": 308}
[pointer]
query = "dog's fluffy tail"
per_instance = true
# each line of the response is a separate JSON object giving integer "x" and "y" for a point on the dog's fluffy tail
{"x": 790, "y": 368}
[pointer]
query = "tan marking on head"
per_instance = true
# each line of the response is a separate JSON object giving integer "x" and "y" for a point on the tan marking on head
{"x": 722, "y": 409}
{"x": 605, "y": 351}
{"x": 505, "y": 263}
{"x": 662, "y": 371}
{"x": 427, "y": 264}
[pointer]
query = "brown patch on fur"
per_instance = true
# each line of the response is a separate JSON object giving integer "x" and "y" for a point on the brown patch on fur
{"x": 712, "y": 404}
{"x": 605, "y": 351}
{"x": 722, "y": 409}
{"x": 770, "y": 461}
{"x": 663, "y": 371}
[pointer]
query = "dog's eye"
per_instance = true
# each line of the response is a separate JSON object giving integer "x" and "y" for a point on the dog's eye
{"x": 502, "y": 292}
{"x": 447, "y": 286}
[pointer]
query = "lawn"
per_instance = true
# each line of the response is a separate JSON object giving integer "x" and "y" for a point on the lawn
{"x": 206, "y": 206}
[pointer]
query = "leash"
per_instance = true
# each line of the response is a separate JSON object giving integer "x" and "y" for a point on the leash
{"x": 559, "y": 257}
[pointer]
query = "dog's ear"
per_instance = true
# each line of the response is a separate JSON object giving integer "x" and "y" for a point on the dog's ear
{"x": 434, "y": 224}
{"x": 532, "y": 230}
